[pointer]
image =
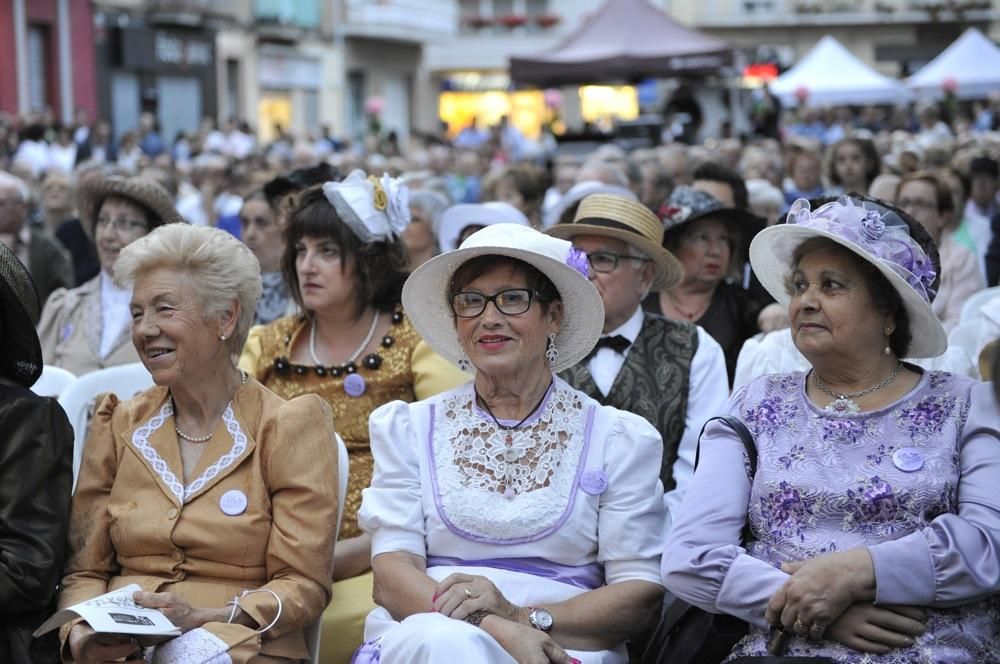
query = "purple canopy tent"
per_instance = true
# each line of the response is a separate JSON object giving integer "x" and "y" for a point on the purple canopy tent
{"x": 625, "y": 40}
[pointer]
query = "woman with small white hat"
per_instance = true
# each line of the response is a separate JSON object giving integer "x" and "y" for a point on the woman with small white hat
{"x": 513, "y": 518}
{"x": 873, "y": 515}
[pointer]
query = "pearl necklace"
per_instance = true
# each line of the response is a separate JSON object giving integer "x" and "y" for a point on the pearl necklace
{"x": 357, "y": 353}
{"x": 206, "y": 438}
{"x": 844, "y": 403}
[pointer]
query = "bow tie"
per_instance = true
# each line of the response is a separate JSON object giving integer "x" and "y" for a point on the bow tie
{"x": 617, "y": 343}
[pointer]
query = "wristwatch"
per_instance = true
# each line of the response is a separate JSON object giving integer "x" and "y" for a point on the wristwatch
{"x": 540, "y": 619}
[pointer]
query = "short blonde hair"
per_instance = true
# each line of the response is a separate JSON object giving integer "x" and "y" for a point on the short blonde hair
{"x": 220, "y": 265}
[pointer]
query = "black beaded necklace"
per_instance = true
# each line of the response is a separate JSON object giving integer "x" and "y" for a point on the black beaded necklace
{"x": 510, "y": 438}
{"x": 372, "y": 361}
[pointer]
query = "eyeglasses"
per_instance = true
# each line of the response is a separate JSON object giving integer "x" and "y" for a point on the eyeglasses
{"x": 916, "y": 203}
{"x": 605, "y": 261}
{"x": 123, "y": 226}
{"x": 512, "y": 302}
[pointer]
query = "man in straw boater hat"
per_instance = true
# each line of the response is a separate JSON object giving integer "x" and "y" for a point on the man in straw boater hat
{"x": 671, "y": 373}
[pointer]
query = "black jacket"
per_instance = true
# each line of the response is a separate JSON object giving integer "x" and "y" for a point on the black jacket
{"x": 36, "y": 479}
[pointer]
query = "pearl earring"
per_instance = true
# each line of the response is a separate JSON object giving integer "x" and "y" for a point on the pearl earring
{"x": 222, "y": 337}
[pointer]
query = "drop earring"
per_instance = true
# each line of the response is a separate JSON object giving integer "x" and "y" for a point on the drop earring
{"x": 552, "y": 353}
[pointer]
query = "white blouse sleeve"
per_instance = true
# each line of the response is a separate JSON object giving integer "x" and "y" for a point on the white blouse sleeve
{"x": 392, "y": 509}
{"x": 632, "y": 520}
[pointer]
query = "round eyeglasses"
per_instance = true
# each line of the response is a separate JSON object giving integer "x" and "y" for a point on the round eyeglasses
{"x": 512, "y": 302}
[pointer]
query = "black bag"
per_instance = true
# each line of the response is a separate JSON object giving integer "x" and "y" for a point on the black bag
{"x": 689, "y": 635}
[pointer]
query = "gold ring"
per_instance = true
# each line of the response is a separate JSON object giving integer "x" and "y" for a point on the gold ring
{"x": 799, "y": 626}
{"x": 468, "y": 593}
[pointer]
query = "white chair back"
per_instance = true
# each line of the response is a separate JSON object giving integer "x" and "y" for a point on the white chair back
{"x": 53, "y": 381}
{"x": 970, "y": 310}
{"x": 78, "y": 399}
{"x": 313, "y": 631}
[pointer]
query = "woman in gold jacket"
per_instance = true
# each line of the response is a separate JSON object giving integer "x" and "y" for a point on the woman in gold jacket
{"x": 214, "y": 495}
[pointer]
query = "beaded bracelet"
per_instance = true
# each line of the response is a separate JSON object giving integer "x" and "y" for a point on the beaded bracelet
{"x": 476, "y": 617}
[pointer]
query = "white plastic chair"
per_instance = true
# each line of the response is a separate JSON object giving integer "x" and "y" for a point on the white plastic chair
{"x": 970, "y": 310}
{"x": 313, "y": 631}
{"x": 78, "y": 399}
{"x": 53, "y": 381}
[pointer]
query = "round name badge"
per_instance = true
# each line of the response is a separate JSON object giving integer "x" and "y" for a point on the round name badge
{"x": 594, "y": 482}
{"x": 354, "y": 385}
{"x": 233, "y": 502}
{"x": 908, "y": 459}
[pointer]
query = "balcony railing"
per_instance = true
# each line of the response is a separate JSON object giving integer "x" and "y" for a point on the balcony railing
{"x": 409, "y": 20}
{"x": 192, "y": 11}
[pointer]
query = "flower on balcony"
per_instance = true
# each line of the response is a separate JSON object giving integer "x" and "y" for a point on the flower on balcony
{"x": 479, "y": 22}
{"x": 546, "y": 21}
{"x": 512, "y": 20}
{"x": 374, "y": 105}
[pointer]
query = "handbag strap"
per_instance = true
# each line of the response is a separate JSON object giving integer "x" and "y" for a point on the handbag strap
{"x": 751, "y": 449}
{"x": 741, "y": 430}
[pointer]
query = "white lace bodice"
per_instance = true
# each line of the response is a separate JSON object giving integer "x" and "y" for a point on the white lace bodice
{"x": 502, "y": 485}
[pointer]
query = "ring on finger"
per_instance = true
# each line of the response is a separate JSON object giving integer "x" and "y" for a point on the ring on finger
{"x": 816, "y": 631}
{"x": 800, "y": 627}
{"x": 469, "y": 594}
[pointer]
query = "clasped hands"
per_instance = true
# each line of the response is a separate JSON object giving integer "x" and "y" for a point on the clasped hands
{"x": 458, "y": 596}
{"x": 832, "y": 596}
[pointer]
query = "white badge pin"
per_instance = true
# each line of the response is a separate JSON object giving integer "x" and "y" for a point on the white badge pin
{"x": 233, "y": 502}
{"x": 908, "y": 459}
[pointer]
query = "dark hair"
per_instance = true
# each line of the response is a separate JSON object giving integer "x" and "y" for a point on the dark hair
{"x": 873, "y": 162}
{"x": 984, "y": 166}
{"x": 887, "y": 301}
{"x": 529, "y": 180}
{"x": 945, "y": 201}
{"x": 472, "y": 269}
{"x": 379, "y": 267}
{"x": 715, "y": 172}
{"x": 297, "y": 180}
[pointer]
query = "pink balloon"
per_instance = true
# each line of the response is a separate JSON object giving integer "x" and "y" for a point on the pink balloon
{"x": 949, "y": 84}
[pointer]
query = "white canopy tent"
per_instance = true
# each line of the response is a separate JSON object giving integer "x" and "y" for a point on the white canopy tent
{"x": 971, "y": 64}
{"x": 829, "y": 74}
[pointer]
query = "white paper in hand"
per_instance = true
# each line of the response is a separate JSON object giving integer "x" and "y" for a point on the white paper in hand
{"x": 114, "y": 612}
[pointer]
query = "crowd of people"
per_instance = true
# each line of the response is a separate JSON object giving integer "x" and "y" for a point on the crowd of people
{"x": 525, "y": 360}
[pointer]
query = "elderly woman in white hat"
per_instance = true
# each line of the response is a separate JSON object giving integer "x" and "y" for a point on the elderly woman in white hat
{"x": 513, "y": 518}
{"x": 873, "y": 514}
{"x": 87, "y": 328}
{"x": 460, "y": 221}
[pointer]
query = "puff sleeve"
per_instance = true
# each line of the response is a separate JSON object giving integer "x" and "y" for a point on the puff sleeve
{"x": 631, "y": 520}
{"x": 432, "y": 374}
{"x": 302, "y": 483}
{"x": 955, "y": 559}
{"x": 392, "y": 509}
{"x": 253, "y": 351}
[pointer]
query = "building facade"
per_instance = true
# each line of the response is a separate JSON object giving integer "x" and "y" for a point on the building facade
{"x": 47, "y": 57}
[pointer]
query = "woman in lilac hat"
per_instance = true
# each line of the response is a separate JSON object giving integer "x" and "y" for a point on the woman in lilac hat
{"x": 873, "y": 513}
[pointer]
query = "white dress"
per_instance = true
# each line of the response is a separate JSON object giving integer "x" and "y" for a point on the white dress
{"x": 571, "y": 501}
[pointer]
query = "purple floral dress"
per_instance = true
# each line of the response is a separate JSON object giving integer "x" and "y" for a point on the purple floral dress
{"x": 830, "y": 482}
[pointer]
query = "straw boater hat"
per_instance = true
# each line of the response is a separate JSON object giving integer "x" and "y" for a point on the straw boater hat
{"x": 630, "y": 221}
{"x": 425, "y": 295}
{"x": 459, "y": 217}
{"x": 21, "y": 357}
{"x": 875, "y": 234}
{"x": 580, "y": 191}
{"x": 145, "y": 192}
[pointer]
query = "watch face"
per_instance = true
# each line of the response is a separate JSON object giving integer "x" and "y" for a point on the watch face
{"x": 541, "y": 619}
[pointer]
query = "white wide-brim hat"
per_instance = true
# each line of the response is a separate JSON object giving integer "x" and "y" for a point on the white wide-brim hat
{"x": 459, "y": 217}
{"x": 772, "y": 251}
{"x": 425, "y": 294}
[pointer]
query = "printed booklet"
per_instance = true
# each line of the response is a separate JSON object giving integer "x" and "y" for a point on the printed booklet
{"x": 114, "y": 612}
